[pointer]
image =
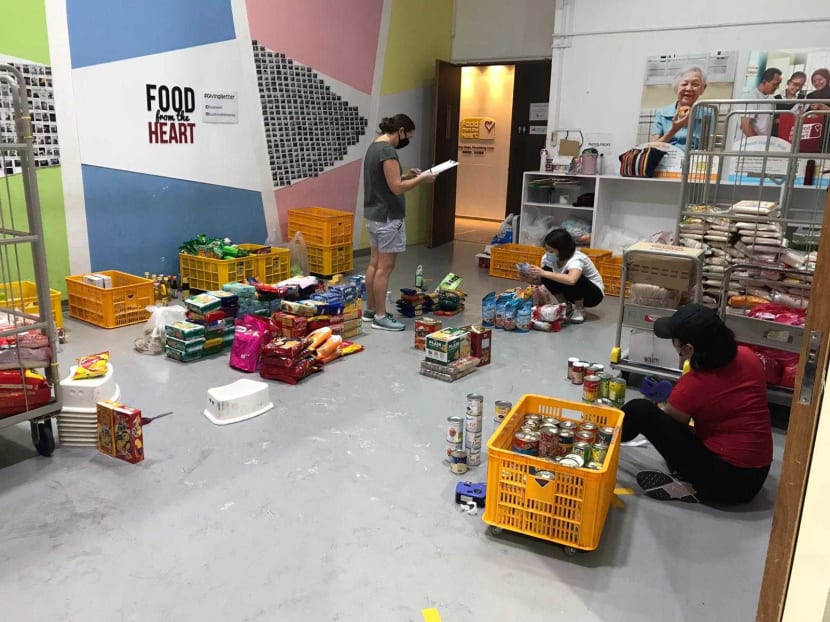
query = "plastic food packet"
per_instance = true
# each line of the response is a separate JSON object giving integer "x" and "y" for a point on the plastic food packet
{"x": 91, "y": 366}
{"x": 523, "y": 317}
{"x": 488, "y": 309}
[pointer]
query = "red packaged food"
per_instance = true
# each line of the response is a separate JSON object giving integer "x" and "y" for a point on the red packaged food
{"x": 22, "y": 391}
{"x": 120, "y": 433}
{"x": 206, "y": 318}
{"x": 480, "y": 340}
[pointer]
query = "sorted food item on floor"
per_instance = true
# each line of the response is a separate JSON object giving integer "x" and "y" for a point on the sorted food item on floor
{"x": 91, "y": 366}
{"x": 203, "y": 303}
{"x": 447, "y": 345}
{"x": 423, "y": 327}
{"x": 185, "y": 330}
{"x": 21, "y": 391}
{"x": 120, "y": 433}
{"x": 480, "y": 343}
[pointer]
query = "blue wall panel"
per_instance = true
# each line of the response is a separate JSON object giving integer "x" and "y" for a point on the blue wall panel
{"x": 134, "y": 220}
{"x": 102, "y": 31}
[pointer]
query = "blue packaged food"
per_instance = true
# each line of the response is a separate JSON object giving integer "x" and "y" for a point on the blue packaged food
{"x": 523, "y": 317}
{"x": 488, "y": 309}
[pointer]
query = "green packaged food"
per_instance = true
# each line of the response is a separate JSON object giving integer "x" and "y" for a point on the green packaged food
{"x": 187, "y": 346}
{"x": 243, "y": 290}
{"x": 203, "y": 303}
{"x": 184, "y": 357}
{"x": 185, "y": 330}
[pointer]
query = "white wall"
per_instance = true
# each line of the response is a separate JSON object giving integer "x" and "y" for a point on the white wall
{"x": 602, "y": 70}
{"x": 499, "y": 30}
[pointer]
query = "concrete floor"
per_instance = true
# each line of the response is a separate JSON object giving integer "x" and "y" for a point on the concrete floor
{"x": 336, "y": 505}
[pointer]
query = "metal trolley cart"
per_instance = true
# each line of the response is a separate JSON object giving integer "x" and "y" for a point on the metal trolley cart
{"x": 758, "y": 331}
{"x": 539, "y": 497}
{"x": 26, "y": 315}
{"x": 674, "y": 268}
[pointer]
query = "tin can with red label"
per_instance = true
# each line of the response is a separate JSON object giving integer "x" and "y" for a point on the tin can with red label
{"x": 591, "y": 428}
{"x": 423, "y": 327}
{"x": 567, "y": 424}
{"x": 526, "y": 443}
{"x": 578, "y": 372}
{"x": 584, "y": 437}
{"x": 590, "y": 389}
{"x": 548, "y": 441}
{"x": 571, "y": 362}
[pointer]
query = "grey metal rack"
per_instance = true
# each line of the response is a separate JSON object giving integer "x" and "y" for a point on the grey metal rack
{"x": 23, "y": 258}
{"x": 784, "y": 182}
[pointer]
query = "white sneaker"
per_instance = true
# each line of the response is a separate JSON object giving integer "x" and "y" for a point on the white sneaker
{"x": 387, "y": 322}
{"x": 576, "y": 316}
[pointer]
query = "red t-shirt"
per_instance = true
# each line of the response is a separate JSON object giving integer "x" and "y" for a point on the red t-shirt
{"x": 730, "y": 411}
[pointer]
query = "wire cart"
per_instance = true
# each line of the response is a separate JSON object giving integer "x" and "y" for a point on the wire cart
{"x": 28, "y": 335}
{"x": 538, "y": 497}
{"x": 755, "y": 206}
{"x": 675, "y": 268}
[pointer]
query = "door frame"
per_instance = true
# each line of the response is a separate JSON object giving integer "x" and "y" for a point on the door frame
{"x": 799, "y": 447}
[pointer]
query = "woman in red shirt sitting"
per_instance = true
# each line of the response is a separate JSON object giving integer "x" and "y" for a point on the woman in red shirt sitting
{"x": 726, "y": 456}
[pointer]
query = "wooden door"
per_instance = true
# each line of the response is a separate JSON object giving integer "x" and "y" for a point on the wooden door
{"x": 801, "y": 434}
{"x": 445, "y": 122}
{"x": 531, "y": 85}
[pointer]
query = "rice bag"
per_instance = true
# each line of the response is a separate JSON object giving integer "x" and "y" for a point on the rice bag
{"x": 91, "y": 366}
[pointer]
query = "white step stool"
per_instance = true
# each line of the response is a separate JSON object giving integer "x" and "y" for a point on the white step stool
{"x": 237, "y": 401}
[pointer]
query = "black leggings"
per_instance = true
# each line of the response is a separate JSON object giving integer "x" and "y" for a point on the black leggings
{"x": 713, "y": 478}
{"x": 583, "y": 290}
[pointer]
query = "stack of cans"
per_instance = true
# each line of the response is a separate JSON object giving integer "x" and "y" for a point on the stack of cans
{"x": 472, "y": 428}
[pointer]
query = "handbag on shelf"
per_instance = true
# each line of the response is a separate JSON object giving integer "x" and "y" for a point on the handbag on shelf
{"x": 642, "y": 160}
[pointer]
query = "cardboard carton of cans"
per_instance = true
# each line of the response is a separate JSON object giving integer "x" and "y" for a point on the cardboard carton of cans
{"x": 447, "y": 345}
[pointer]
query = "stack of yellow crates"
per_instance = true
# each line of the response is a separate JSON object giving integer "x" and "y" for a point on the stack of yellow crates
{"x": 328, "y": 235}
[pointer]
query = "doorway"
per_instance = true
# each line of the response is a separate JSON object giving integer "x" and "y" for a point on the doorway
{"x": 492, "y": 119}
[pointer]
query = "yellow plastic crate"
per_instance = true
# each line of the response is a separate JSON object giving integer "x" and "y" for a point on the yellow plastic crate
{"x": 207, "y": 274}
{"x": 328, "y": 260}
{"x": 595, "y": 254}
{"x": 610, "y": 269}
{"x": 273, "y": 266}
{"x": 22, "y": 295}
{"x": 570, "y": 509}
{"x": 321, "y": 226}
{"x": 120, "y": 305}
{"x": 504, "y": 257}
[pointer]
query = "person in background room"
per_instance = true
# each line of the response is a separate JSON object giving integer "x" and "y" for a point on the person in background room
{"x": 726, "y": 456}
{"x": 793, "y": 90}
{"x": 760, "y": 124}
{"x": 384, "y": 210}
{"x": 671, "y": 122}
{"x": 820, "y": 79}
{"x": 569, "y": 275}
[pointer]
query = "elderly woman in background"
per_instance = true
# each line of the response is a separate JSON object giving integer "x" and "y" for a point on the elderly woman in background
{"x": 671, "y": 122}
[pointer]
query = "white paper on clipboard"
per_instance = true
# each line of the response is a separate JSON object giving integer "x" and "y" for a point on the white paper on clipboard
{"x": 440, "y": 168}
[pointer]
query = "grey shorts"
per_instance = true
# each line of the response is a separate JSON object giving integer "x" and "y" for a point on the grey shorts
{"x": 388, "y": 237}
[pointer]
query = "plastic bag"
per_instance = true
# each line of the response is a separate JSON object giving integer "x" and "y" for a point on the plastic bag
{"x": 154, "y": 336}
{"x": 299, "y": 255}
{"x": 533, "y": 233}
{"x": 91, "y": 366}
{"x": 579, "y": 229}
{"x": 505, "y": 233}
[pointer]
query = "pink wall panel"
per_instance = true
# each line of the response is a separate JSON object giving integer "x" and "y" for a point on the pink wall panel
{"x": 335, "y": 189}
{"x": 338, "y": 38}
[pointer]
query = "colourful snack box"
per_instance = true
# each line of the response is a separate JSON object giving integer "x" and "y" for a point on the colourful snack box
{"x": 120, "y": 434}
{"x": 448, "y": 345}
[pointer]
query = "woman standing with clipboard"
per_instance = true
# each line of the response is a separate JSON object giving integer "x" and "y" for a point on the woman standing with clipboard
{"x": 384, "y": 209}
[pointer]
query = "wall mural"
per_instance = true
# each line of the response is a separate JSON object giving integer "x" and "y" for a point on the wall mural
{"x": 308, "y": 127}
{"x": 41, "y": 98}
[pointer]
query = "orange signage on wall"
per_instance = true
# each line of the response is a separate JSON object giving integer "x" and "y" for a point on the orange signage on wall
{"x": 477, "y": 128}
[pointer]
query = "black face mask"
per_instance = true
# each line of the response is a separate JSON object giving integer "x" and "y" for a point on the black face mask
{"x": 402, "y": 142}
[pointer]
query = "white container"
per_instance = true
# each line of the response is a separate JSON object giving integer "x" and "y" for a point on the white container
{"x": 237, "y": 401}
{"x": 81, "y": 396}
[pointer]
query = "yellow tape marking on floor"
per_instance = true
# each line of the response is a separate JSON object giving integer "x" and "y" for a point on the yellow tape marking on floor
{"x": 623, "y": 491}
{"x": 431, "y": 615}
{"x": 618, "y": 492}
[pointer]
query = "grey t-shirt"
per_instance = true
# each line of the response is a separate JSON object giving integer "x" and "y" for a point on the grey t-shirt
{"x": 379, "y": 202}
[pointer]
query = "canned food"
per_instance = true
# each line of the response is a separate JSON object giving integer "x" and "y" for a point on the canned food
{"x": 589, "y": 426}
{"x": 502, "y": 408}
{"x": 596, "y": 466}
{"x": 567, "y": 424}
{"x": 550, "y": 421}
{"x": 475, "y": 404}
{"x": 497, "y": 421}
{"x": 598, "y": 452}
{"x": 474, "y": 460}
{"x": 548, "y": 441}
{"x": 584, "y": 436}
{"x": 459, "y": 456}
{"x": 572, "y": 460}
{"x": 530, "y": 429}
{"x": 451, "y": 447}
{"x": 526, "y": 443}
{"x": 581, "y": 448}
{"x": 423, "y": 327}
{"x": 590, "y": 389}
{"x": 605, "y": 435}
{"x": 571, "y": 362}
{"x": 566, "y": 442}
{"x": 533, "y": 418}
{"x": 455, "y": 429}
{"x": 604, "y": 401}
{"x": 616, "y": 391}
{"x": 578, "y": 372}
{"x": 473, "y": 424}
{"x": 596, "y": 368}
{"x": 547, "y": 475}
{"x": 604, "y": 379}
{"x": 472, "y": 439}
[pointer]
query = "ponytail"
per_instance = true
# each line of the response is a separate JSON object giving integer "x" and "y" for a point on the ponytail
{"x": 388, "y": 125}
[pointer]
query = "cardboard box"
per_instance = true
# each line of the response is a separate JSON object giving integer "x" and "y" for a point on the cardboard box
{"x": 672, "y": 267}
{"x": 290, "y": 326}
{"x": 98, "y": 280}
{"x": 481, "y": 339}
{"x": 645, "y": 347}
{"x": 448, "y": 345}
{"x": 483, "y": 260}
{"x": 120, "y": 434}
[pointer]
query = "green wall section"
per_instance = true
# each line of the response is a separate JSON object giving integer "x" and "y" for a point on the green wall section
{"x": 23, "y": 30}
{"x": 419, "y": 33}
{"x": 54, "y": 224}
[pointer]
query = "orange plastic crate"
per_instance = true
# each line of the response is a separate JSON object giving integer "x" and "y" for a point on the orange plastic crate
{"x": 504, "y": 257}
{"x": 273, "y": 266}
{"x": 328, "y": 260}
{"x": 321, "y": 226}
{"x": 570, "y": 509}
{"x": 610, "y": 269}
{"x": 22, "y": 295}
{"x": 595, "y": 254}
{"x": 208, "y": 274}
{"x": 120, "y": 305}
